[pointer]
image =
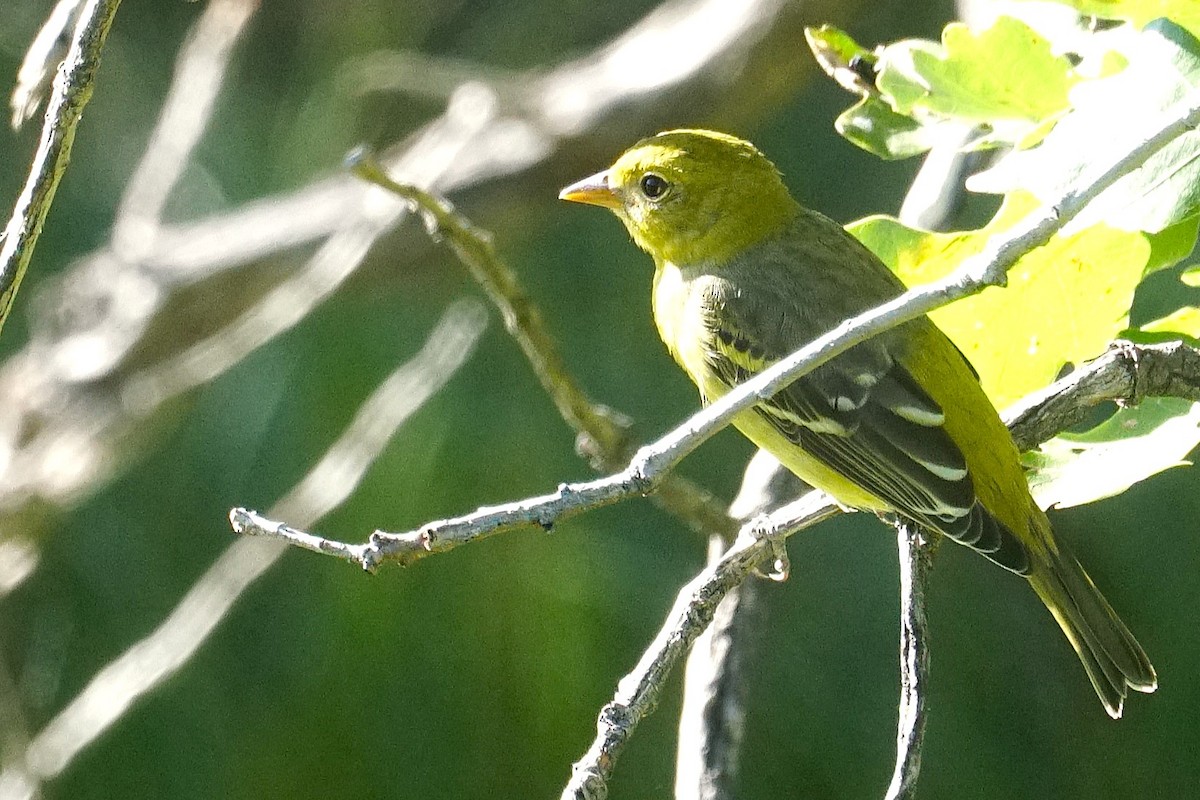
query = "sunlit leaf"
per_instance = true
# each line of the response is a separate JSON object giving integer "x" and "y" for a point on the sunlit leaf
{"x": 1183, "y": 12}
{"x": 1108, "y": 119}
{"x": 1130, "y": 446}
{"x": 1185, "y": 320}
{"x": 1006, "y": 77}
{"x": 1172, "y": 244}
{"x": 1064, "y": 303}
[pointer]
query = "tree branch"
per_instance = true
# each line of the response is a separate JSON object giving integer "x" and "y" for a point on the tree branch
{"x": 72, "y": 89}
{"x": 101, "y": 357}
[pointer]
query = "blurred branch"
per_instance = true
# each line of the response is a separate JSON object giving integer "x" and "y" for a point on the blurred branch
{"x": 72, "y": 89}
{"x": 41, "y": 59}
{"x": 716, "y": 681}
{"x": 640, "y": 74}
{"x": 200, "y": 67}
{"x": 719, "y": 669}
{"x": 150, "y": 662}
{"x": 74, "y": 397}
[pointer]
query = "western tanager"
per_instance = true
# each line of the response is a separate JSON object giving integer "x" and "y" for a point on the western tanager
{"x": 745, "y": 275}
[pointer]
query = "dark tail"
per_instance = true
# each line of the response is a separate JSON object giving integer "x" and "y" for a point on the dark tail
{"x": 1114, "y": 661}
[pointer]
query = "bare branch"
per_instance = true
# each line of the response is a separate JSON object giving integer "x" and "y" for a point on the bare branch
{"x": 1126, "y": 373}
{"x": 84, "y": 384}
{"x": 474, "y": 248}
{"x": 72, "y": 89}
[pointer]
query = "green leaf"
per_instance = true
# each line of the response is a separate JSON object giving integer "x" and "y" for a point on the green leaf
{"x": 1191, "y": 276}
{"x": 1006, "y": 77}
{"x": 1173, "y": 244}
{"x": 1064, "y": 302}
{"x": 1130, "y": 446}
{"x": 872, "y": 125}
{"x": 1185, "y": 13}
{"x": 1109, "y": 114}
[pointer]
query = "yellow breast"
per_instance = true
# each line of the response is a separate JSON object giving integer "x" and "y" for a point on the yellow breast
{"x": 677, "y": 296}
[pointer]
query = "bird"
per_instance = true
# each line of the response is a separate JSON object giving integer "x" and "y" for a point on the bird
{"x": 898, "y": 424}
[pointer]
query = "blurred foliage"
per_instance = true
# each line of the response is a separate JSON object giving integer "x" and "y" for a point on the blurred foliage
{"x": 479, "y": 673}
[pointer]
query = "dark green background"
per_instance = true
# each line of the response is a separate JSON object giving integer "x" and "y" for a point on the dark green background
{"x": 478, "y": 674}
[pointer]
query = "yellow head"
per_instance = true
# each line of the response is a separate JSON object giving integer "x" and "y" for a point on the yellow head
{"x": 691, "y": 196}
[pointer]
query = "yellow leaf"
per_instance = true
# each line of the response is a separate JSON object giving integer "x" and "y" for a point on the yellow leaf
{"x": 1185, "y": 320}
{"x": 1063, "y": 304}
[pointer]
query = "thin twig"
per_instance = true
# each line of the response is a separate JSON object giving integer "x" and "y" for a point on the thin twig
{"x": 151, "y": 661}
{"x": 288, "y": 303}
{"x": 522, "y": 318}
{"x": 72, "y": 89}
{"x": 652, "y": 463}
{"x": 1125, "y": 374}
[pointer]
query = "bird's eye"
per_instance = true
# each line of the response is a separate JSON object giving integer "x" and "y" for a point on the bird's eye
{"x": 653, "y": 186}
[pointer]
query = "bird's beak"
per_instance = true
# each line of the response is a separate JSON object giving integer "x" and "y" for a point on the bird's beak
{"x": 593, "y": 190}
